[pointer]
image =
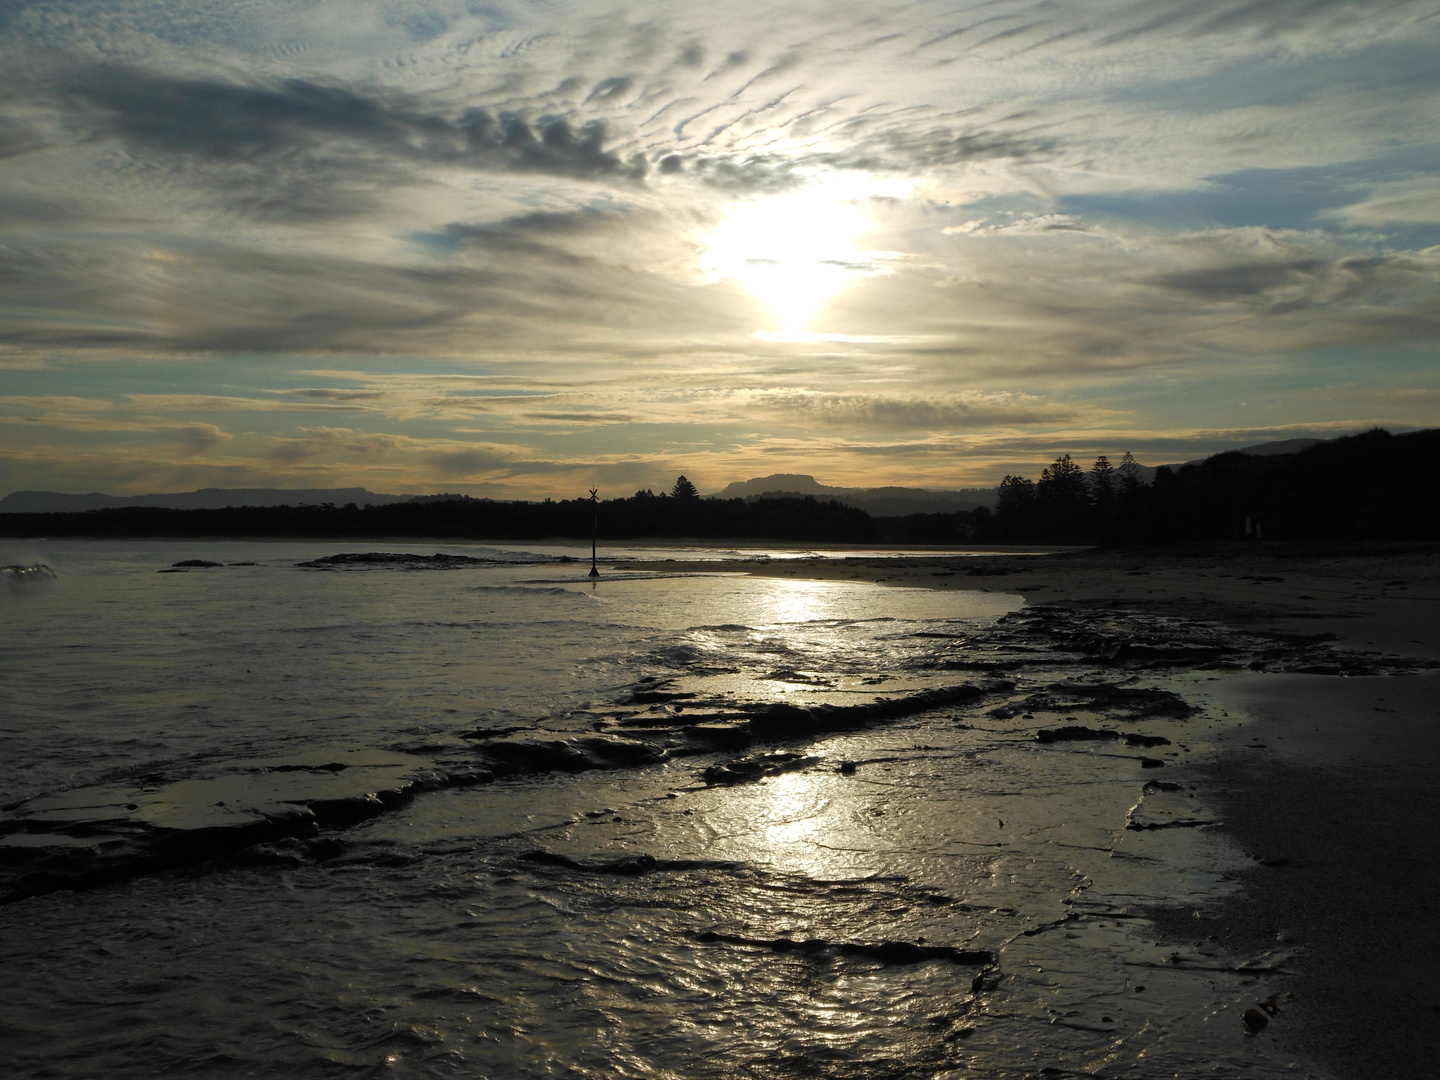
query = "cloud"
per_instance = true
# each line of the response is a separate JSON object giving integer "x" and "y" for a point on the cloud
{"x": 199, "y": 438}
{"x": 470, "y": 460}
{"x": 1409, "y": 201}
{"x": 1264, "y": 19}
{"x": 1018, "y": 223}
{"x": 336, "y": 396}
{"x": 17, "y": 138}
{"x": 535, "y": 233}
{"x": 475, "y": 235}
{"x": 331, "y": 442}
{"x": 972, "y": 409}
{"x": 1283, "y": 273}
{"x": 305, "y": 148}
{"x": 97, "y": 416}
{"x": 582, "y": 417}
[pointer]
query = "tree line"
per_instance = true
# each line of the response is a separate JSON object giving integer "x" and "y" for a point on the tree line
{"x": 1374, "y": 486}
{"x": 677, "y": 514}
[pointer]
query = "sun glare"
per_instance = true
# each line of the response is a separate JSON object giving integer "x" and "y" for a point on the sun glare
{"x": 793, "y": 251}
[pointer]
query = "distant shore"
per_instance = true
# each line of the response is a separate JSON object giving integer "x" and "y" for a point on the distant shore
{"x": 1330, "y": 786}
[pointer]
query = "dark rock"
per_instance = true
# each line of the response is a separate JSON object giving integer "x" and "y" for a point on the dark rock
{"x": 783, "y": 720}
{"x": 615, "y": 751}
{"x": 720, "y": 736}
{"x": 469, "y": 777}
{"x": 1133, "y": 701}
{"x": 343, "y": 813}
{"x": 1254, "y": 1021}
{"x": 886, "y": 952}
{"x": 574, "y": 755}
{"x": 624, "y": 865}
{"x": 1073, "y": 733}
{"x": 654, "y": 697}
{"x": 746, "y": 770}
{"x": 1134, "y": 739}
{"x": 404, "y": 560}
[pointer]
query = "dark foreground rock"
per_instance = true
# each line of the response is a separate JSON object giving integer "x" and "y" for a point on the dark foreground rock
{"x": 885, "y": 952}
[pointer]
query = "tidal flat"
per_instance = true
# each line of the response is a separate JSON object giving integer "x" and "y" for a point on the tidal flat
{"x": 290, "y": 809}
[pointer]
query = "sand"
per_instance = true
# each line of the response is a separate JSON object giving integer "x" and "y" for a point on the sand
{"x": 1330, "y": 783}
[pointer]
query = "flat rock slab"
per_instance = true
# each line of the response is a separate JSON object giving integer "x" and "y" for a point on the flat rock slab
{"x": 102, "y": 833}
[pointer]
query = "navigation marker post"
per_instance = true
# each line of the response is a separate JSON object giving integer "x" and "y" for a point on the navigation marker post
{"x": 595, "y": 529}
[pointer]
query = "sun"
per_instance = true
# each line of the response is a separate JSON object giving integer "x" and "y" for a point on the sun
{"x": 794, "y": 250}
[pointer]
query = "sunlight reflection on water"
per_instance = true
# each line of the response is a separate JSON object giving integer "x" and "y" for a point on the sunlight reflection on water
{"x": 432, "y": 939}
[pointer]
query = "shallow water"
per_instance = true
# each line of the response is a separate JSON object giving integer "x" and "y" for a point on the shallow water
{"x": 606, "y": 854}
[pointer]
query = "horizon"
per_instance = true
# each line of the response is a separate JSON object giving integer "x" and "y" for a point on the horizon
{"x": 521, "y": 252}
{"x": 707, "y": 491}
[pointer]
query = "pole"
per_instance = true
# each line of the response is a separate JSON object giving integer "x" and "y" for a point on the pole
{"x": 595, "y": 529}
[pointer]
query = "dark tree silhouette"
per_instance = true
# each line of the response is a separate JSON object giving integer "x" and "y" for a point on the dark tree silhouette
{"x": 1015, "y": 506}
{"x": 684, "y": 489}
{"x": 1063, "y": 501}
{"x": 1131, "y": 479}
{"x": 1102, "y": 481}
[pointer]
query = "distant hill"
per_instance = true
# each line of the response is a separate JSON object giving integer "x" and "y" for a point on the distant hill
{"x": 52, "y": 502}
{"x": 1265, "y": 449}
{"x": 1287, "y": 446}
{"x": 878, "y": 502}
{"x": 1367, "y": 487}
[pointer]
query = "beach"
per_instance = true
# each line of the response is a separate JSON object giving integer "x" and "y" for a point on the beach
{"x": 1328, "y": 785}
{"x": 288, "y": 807}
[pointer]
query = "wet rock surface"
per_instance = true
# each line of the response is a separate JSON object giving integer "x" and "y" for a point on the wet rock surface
{"x": 1167, "y": 805}
{"x": 394, "y": 560}
{"x": 492, "y": 911}
{"x": 1074, "y": 733}
{"x": 93, "y": 836}
{"x": 90, "y": 837}
{"x": 1138, "y": 639}
{"x": 885, "y": 952}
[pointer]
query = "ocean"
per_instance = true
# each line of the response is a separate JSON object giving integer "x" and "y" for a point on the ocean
{"x": 309, "y": 809}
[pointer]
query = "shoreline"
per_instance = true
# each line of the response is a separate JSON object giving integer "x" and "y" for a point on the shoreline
{"x": 1327, "y": 784}
{"x": 1329, "y": 788}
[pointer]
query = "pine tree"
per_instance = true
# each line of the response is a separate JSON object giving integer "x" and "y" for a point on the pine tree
{"x": 1102, "y": 480}
{"x": 684, "y": 489}
{"x": 1130, "y": 477}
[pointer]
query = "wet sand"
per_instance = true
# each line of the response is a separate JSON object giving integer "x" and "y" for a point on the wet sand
{"x": 1331, "y": 788}
{"x": 1382, "y": 599}
{"x": 1330, "y": 785}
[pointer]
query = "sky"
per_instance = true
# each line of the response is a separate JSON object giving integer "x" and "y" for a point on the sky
{"x": 523, "y": 249}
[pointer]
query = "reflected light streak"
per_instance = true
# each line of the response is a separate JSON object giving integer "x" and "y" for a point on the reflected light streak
{"x": 795, "y": 808}
{"x": 797, "y": 601}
